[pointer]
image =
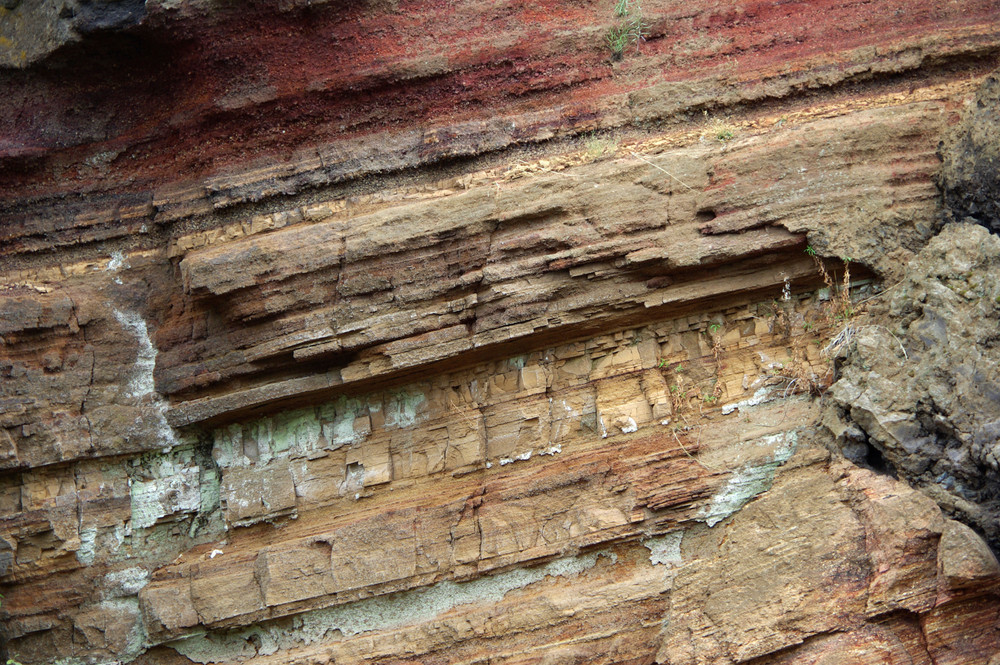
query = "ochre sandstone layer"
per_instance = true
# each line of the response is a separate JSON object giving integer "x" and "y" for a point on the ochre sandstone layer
{"x": 342, "y": 332}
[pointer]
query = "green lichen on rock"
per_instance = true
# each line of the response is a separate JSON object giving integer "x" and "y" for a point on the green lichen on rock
{"x": 750, "y": 480}
{"x": 301, "y": 432}
{"x": 665, "y": 550}
{"x": 372, "y": 614}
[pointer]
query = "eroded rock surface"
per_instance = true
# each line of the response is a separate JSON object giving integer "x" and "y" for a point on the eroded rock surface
{"x": 925, "y": 394}
{"x": 342, "y": 333}
{"x": 970, "y": 174}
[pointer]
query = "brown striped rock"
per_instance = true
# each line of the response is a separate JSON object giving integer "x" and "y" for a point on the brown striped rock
{"x": 437, "y": 332}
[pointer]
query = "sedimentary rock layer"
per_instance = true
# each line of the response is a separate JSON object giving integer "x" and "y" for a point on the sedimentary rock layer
{"x": 439, "y": 333}
{"x": 207, "y": 106}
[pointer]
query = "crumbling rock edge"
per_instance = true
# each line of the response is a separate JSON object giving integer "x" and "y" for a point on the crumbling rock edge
{"x": 923, "y": 386}
{"x": 970, "y": 172}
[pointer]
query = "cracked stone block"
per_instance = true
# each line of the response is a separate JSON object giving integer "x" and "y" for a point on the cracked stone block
{"x": 254, "y": 494}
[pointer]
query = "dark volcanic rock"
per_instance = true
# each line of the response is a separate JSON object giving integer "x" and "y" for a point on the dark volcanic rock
{"x": 32, "y": 31}
{"x": 932, "y": 413}
{"x": 970, "y": 176}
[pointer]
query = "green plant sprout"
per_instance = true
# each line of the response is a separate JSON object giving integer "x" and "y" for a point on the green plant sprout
{"x": 724, "y": 134}
{"x": 623, "y": 35}
{"x": 810, "y": 250}
{"x": 630, "y": 29}
{"x": 597, "y": 147}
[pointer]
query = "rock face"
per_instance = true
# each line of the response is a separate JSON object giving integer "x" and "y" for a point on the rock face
{"x": 928, "y": 406}
{"x": 969, "y": 176}
{"x": 440, "y": 333}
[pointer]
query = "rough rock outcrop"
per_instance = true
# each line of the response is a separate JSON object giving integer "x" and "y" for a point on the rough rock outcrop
{"x": 970, "y": 174}
{"x": 923, "y": 397}
{"x": 31, "y": 31}
{"x": 337, "y": 332}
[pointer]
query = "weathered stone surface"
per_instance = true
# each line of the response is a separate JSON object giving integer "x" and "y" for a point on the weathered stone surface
{"x": 925, "y": 393}
{"x": 168, "y": 608}
{"x": 501, "y": 267}
{"x": 798, "y": 568}
{"x": 964, "y": 558}
{"x": 970, "y": 174}
{"x": 251, "y": 495}
{"x": 31, "y": 31}
{"x": 386, "y": 90}
{"x": 290, "y": 574}
{"x": 439, "y": 333}
{"x": 219, "y": 592}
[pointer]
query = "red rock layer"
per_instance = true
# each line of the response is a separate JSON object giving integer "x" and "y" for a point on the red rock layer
{"x": 200, "y": 99}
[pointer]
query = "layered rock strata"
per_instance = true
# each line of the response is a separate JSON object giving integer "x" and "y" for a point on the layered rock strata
{"x": 438, "y": 351}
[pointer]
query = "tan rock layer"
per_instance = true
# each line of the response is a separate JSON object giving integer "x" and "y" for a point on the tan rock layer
{"x": 507, "y": 270}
